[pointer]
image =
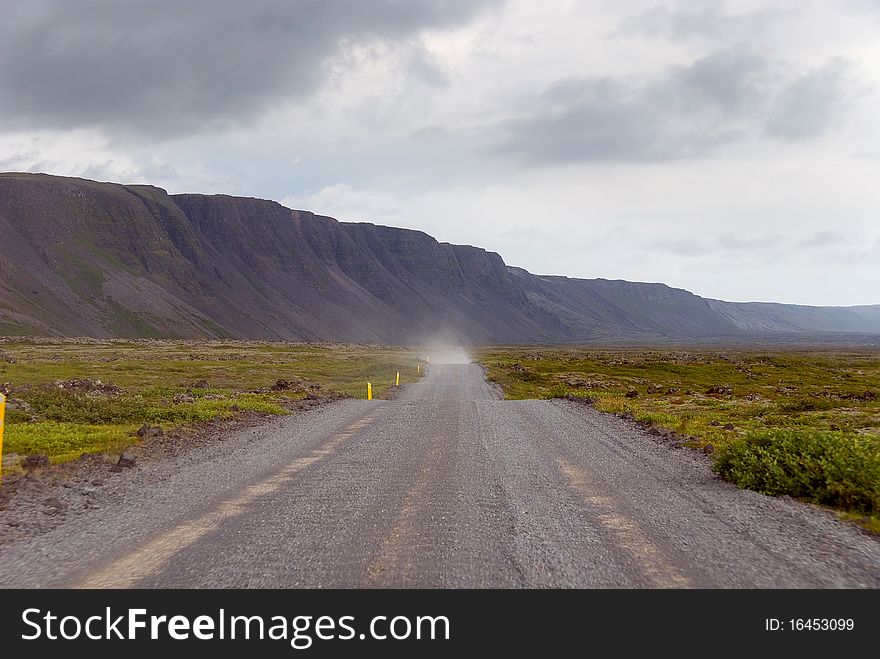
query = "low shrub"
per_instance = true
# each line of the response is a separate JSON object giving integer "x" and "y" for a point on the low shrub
{"x": 808, "y": 405}
{"x": 61, "y": 405}
{"x": 65, "y": 441}
{"x": 824, "y": 467}
{"x": 67, "y": 424}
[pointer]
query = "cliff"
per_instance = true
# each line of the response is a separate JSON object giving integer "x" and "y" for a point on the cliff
{"x": 83, "y": 258}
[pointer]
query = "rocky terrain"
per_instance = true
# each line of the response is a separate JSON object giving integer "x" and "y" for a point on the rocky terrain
{"x": 81, "y": 258}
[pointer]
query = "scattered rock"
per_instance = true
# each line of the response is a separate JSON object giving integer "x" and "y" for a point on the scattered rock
{"x": 213, "y": 397}
{"x": 17, "y": 405}
{"x": 582, "y": 400}
{"x": 655, "y": 389}
{"x": 200, "y": 384}
{"x": 6, "y": 388}
{"x": 183, "y": 398}
{"x": 35, "y": 461}
{"x": 709, "y": 449}
{"x": 86, "y": 386}
{"x": 728, "y": 426}
{"x": 577, "y": 382}
{"x": 235, "y": 408}
{"x": 147, "y": 431}
{"x": 11, "y": 460}
{"x": 720, "y": 390}
{"x": 713, "y": 422}
{"x": 631, "y": 393}
{"x": 126, "y": 460}
{"x": 654, "y": 431}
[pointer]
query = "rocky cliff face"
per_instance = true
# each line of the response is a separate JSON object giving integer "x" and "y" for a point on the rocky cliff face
{"x": 84, "y": 258}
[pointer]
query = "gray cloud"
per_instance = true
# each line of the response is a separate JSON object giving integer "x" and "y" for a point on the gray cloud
{"x": 13, "y": 160}
{"x": 755, "y": 243}
{"x": 421, "y": 66}
{"x": 689, "y": 111}
{"x": 747, "y": 244}
{"x": 750, "y": 243}
{"x": 823, "y": 240}
{"x": 164, "y": 66}
{"x": 370, "y": 113}
{"x": 863, "y": 5}
{"x": 808, "y": 106}
{"x": 707, "y": 21}
{"x": 727, "y": 82}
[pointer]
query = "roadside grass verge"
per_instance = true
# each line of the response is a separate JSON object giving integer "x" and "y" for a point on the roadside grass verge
{"x": 797, "y": 423}
{"x": 71, "y": 397}
{"x": 66, "y": 441}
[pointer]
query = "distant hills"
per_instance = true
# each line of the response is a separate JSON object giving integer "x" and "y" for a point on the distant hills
{"x": 82, "y": 258}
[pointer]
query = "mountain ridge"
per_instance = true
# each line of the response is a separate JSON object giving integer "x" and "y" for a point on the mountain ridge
{"x": 83, "y": 258}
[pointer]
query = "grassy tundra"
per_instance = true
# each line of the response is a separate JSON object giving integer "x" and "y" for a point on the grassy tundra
{"x": 805, "y": 424}
{"x": 70, "y": 397}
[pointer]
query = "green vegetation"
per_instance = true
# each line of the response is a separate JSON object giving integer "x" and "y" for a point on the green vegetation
{"x": 841, "y": 471}
{"x": 71, "y": 397}
{"x": 805, "y": 424}
{"x": 65, "y": 441}
{"x": 83, "y": 278}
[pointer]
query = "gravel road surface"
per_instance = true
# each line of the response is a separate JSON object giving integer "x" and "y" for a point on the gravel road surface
{"x": 447, "y": 486}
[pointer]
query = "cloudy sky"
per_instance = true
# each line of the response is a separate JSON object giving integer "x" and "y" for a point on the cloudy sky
{"x": 732, "y": 149}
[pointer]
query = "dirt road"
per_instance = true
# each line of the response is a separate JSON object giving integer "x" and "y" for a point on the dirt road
{"x": 447, "y": 486}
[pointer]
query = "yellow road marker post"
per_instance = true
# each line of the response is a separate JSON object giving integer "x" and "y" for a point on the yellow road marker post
{"x": 397, "y": 380}
{"x": 369, "y": 391}
{"x": 418, "y": 368}
{"x": 2, "y": 416}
